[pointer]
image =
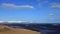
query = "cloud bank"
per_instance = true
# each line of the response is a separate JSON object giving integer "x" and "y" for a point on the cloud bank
{"x": 55, "y": 5}
{"x": 51, "y": 14}
{"x": 7, "y": 5}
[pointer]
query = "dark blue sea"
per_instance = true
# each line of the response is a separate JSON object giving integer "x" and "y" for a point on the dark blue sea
{"x": 43, "y": 28}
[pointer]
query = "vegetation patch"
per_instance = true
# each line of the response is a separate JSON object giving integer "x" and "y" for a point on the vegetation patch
{"x": 4, "y": 29}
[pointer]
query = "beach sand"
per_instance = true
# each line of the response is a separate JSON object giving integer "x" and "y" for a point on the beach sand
{"x": 7, "y": 30}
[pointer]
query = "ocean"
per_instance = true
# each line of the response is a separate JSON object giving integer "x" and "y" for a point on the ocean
{"x": 43, "y": 28}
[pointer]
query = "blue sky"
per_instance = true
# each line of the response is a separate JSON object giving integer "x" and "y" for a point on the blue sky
{"x": 42, "y": 11}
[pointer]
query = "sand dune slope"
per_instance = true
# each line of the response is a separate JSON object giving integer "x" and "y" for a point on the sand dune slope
{"x": 7, "y": 30}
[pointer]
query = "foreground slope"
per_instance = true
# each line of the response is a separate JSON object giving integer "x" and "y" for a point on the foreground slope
{"x": 7, "y": 30}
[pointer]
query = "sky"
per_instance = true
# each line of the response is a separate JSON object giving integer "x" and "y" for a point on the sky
{"x": 40, "y": 11}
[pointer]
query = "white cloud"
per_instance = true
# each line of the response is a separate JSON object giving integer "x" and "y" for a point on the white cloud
{"x": 1, "y": 21}
{"x": 46, "y": 1}
{"x": 51, "y": 14}
{"x": 13, "y": 21}
{"x": 16, "y": 21}
{"x": 7, "y": 5}
{"x": 55, "y": 5}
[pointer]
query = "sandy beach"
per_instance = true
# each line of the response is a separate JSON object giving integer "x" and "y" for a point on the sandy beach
{"x": 7, "y": 30}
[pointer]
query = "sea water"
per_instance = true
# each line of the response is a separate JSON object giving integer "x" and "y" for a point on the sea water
{"x": 43, "y": 28}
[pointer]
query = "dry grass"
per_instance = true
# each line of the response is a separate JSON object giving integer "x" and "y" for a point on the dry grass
{"x": 7, "y": 30}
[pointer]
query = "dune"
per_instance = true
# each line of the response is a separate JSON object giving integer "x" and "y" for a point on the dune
{"x": 7, "y": 30}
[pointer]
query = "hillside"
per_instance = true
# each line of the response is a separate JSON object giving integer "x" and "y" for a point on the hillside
{"x": 7, "y": 30}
